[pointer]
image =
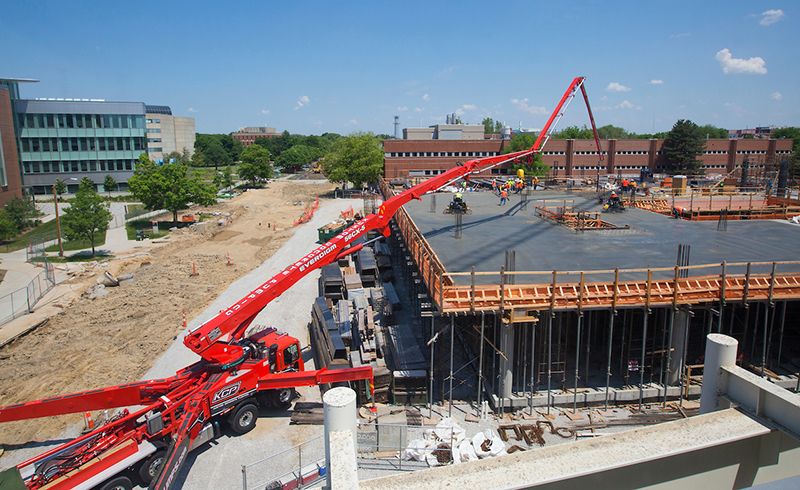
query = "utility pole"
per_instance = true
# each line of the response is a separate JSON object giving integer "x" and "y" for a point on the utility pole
{"x": 58, "y": 223}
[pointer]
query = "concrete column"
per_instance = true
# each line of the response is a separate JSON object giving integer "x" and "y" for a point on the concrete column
{"x": 680, "y": 330}
{"x": 339, "y": 405}
{"x": 720, "y": 351}
{"x": 506, "y": 366}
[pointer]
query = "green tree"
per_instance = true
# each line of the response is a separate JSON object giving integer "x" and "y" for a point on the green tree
{"x": 684, "y": 143}
{"x": 793, "y": 134}
{"x": 224, "y": 178}
{"x": 255, "y": 164}
{"x": 88, "y": 216}
{"x": 216, "y": 155}
{"x": 21, "y": 211}
{"x": 109, "y": 184}
{"x": 297, "y": 156}
{"x": 712, "y": 132}
{"x": 489, "y": 126}
{"x": 610, "y": 132}
{"x": 574, "y": 133}
{"x": 169, "y": 186}
{"x": 531, "y": 165}
{"x": 7, "y": 229}
{"x": 356, "y": 158}
{"x": 61, "y": 187}
{"x": 520, "y": 141}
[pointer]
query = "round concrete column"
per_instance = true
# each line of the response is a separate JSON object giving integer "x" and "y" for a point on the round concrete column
{"x": 720, "y": 351}
{"x": 339, "y": 405}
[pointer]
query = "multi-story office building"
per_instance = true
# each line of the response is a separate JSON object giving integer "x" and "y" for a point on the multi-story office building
{"x": 167, "y": 133}
{"x": 69, "y": 139}
{"x": 10, "y": 180}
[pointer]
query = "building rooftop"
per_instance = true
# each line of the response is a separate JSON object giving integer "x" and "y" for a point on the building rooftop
{"x": 540, "y": 245}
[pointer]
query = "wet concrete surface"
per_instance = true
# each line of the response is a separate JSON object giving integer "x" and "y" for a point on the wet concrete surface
{"x": 541, "y": 245}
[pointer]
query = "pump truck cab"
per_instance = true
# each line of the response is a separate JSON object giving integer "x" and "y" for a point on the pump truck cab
{"x": 235, "y": 377}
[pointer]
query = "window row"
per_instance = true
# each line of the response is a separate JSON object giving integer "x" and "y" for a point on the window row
{"x": 77, "y": 166}
{"x": 80, "y": 121}
{"x": 715, "y": 166}
{"x": 751, "y": 152}
{"x": 154, "y": 140}
{"x": 408, "y": 154}
{"x": 716, "y": 152}
{"x": 152, "y": 130}
{"x": 153, "y": 121}
{"x": 82, "y": 144}
{"x": 153, "y": 150}
{"x": 633, "y": 153}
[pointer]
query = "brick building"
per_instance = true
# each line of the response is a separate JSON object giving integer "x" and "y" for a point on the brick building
{"x": 577, "y": 158}
{"x": 10, "y": 179}
{"x": 249, "y": 134}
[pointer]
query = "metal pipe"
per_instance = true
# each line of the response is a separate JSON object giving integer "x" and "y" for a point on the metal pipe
{"x": 430, "y": 395}
{"x": 480, "y": 364}
{"x": 549, "y": 356}
{"x": 610, "y": 344}
{"x": 644, "y": 351}
{"x": 669, "y": 354}
{"x": 452, "y": 349}
{"x": 780, "y": 340}
{"x": 577, "y": 359}
{"x": 683, "y": 358}
{"x": 533, "y": 344}
{"x": 764, "y": 342}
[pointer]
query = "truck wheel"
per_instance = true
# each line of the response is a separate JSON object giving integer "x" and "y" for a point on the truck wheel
{"x": 150, "y": 466}
{"x": 244, "y": 418}
{"x": 283, "y": 397}
{"x": 118, "y": 483}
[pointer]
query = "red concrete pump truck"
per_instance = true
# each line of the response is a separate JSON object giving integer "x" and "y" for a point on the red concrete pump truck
{"x": 235, "y": 376}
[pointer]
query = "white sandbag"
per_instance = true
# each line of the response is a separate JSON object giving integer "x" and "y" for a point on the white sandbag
{"x": 498, "y": 447}
{"x": 465, "y": 452}
{"x": 417, "y": 450}
{"x": 478, "y": 440}
{"x": 448, "y": 428}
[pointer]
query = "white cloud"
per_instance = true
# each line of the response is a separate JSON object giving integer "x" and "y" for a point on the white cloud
{"x": 732, "y": 66}
{"x": 469, "y": 107}
{"x": 192, "y": 109}
{"x": 605, "y": 97}
{"x": 523, "y": 106}
{"x": 425, "y": 97}
{"x": 771, "y": 17}
{"x": 445, "y": 72}
{"x": 656, "y": 82}
{"x": 404, "y": 108}
{"x": 418, "y": 109}
{"x": 264, "y": 111}
{"x": 684, "y": 34}
{"x": 616, "y": 87}
{"x": 459, "y": 112}
{"x": 777, "y": 96}
{"x": 736, "y": 109}
{"x": 351, "y": 122}
{"x": 625, "y": 105}
{"x": 304, "y": 100}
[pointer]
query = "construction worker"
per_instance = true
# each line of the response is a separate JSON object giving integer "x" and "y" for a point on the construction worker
{"x": 494, "y": 185}
{"x": 535, "y": 182}
{"x": 624, "y": 187}
{"x": 458, "y": 197}
{"x": 633, "y": 187}
{"x": 503, "y": 197}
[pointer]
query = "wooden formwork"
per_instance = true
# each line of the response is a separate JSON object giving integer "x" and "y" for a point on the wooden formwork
{"x": 707, "y": 206}
{"x": 580, "y": 220}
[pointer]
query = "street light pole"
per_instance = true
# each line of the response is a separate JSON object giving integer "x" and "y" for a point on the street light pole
{"x": 58, "y": 223}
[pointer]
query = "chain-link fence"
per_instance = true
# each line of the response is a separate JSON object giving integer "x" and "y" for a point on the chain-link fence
{"x": 382, "y": 446}
{"x": 22, "y": 300}
{"x": 298, "y": 467}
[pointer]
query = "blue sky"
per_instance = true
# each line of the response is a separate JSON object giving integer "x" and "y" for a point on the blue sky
{"x": 316, "y": 67}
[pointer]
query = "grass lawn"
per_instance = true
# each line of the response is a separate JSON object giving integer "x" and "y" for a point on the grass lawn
{"x": 21, "y": 241}
{"x": 99, "y": 240}
{"x": 79, "y": 258}
{"x": 131, "y": 227}
{"x": 2, "y": 274}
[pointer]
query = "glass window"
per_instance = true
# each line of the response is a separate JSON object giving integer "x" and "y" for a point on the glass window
{"x": 35, "y": 144}
{"x": 128, "y": 165}
{"x": 119, "y": 143}
{"x": 127, "y": 143}
{"x": 92, "y": 144}
{"x": 70, "y": 121}
{"x": 35, "y": 167}
{"x": 26, "y": 145}
{"x": 62, "y": 121}
{"x": 137, "y": 144}
{"x": 64, "y": 144}
{"x": 73, "y": 144}
{"x": 51, "y": 121}
{"x": 124, "y": 121}
{"x": 84, "y": 166}
{"x": 45, "y": 144}
{"x": 137, "y": 122}
{"x": 101, "y": 144}
{"x": 79, "y": 121}
{"x": 30, "y": 121}
{"x": 116, "y": 120}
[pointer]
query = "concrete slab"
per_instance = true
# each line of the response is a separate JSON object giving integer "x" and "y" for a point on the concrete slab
{"x": 540, "y": 245}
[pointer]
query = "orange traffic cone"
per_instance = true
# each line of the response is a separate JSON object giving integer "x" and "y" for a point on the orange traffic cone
{"x": 184, "y": 318}
{"x": 229, "y": 258}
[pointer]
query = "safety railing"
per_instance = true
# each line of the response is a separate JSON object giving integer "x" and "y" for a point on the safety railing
{"x": 298, "y": 467}
{"x": 22, "y": 301}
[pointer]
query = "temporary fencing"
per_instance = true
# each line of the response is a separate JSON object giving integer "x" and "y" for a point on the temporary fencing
{"x": 308, "y": 213}
{"x": 298, "y": 467}
{"x": 22, "y": 300}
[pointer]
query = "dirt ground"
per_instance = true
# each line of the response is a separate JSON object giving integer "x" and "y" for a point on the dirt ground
{"x": 94, "y": 343}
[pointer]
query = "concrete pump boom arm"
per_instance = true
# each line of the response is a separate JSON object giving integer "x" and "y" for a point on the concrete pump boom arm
{"x": 215, "y": 339}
